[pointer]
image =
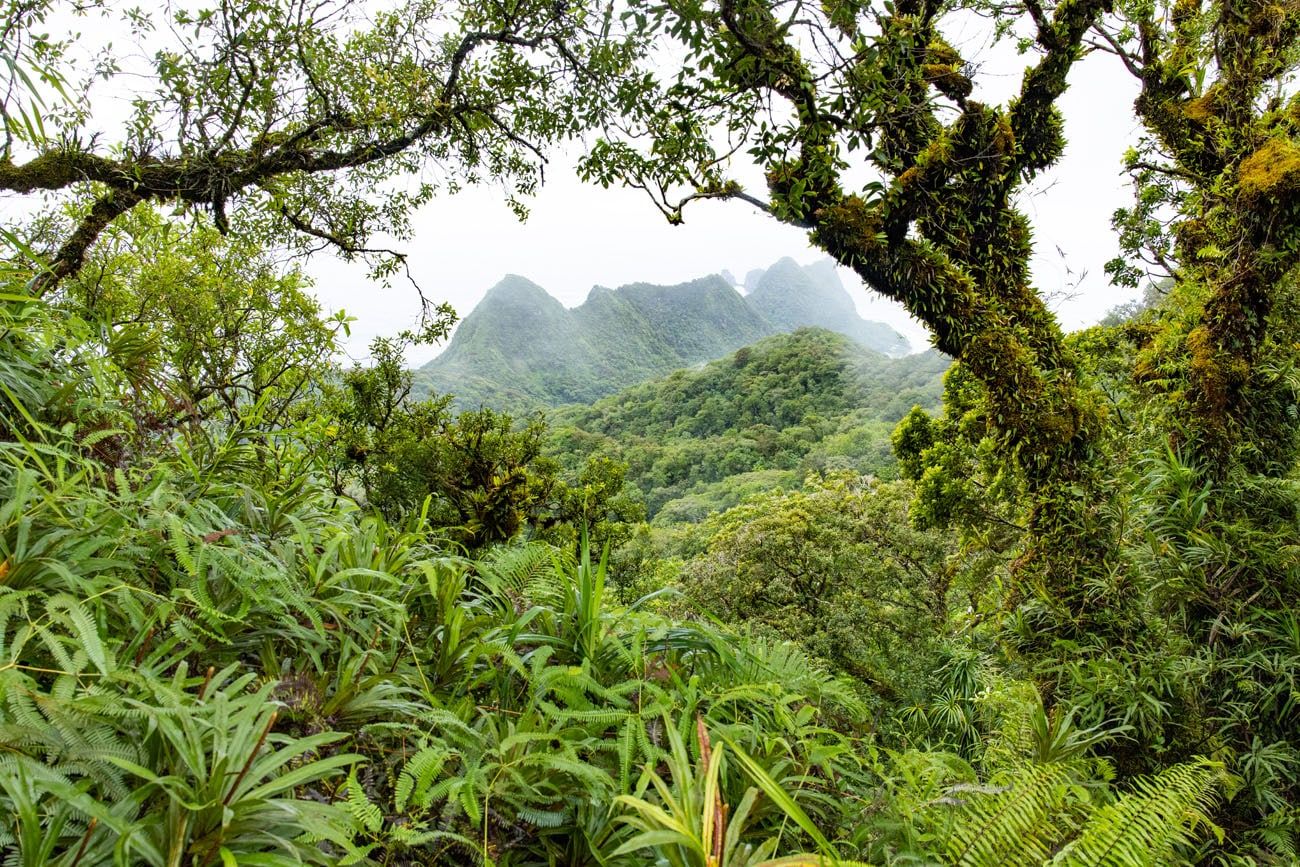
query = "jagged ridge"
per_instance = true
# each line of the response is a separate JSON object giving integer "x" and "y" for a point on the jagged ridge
{"x": 520, "y": 348}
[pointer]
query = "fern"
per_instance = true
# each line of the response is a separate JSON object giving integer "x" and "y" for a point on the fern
{"x": 73, "y": 614}
{"x": 1045, "y": 813}
{"x": 1151, "y": 821}
{"x": 363, "y": 811}
{"x": 1019, "y": 821}
{"x": 417, "y": 774}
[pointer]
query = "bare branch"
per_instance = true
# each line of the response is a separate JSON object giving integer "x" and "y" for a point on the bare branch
{"x": 1131, "y": 63}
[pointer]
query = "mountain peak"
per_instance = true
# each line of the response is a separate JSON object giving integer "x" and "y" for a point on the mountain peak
{"x": 514, "y": 290}
{"x": 522, "y": 347}
{"x": 825, "y": 272}
{"x": 787, "y": 284}
{"x": 792, "y": 296}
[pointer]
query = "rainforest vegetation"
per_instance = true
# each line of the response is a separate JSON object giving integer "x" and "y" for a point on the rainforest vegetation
{"x": 785, "y": 407}
{"x": 802, "y": 606}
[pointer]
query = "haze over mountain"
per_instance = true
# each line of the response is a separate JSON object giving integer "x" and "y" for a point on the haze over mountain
{"x": 790, "y": 297}
{"x": 520, "y": 348}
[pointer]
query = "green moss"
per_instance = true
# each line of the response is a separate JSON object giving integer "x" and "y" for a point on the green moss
{"x": 942, "y": 53}
{"x": 1004, "y": 139}
{"x": 942, "y": 70}
{"x": 1193, "y": 234}
{"x": 849, "y": 225}
{"x": 1272, "y": 171}
{"x": 1201, "y": 109}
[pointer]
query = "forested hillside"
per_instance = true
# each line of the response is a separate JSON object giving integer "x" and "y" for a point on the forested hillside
{"x": 790, "y": 297}
{"x": 258, "y": 608}
{"x": 768, "y": 415}
{"x": 520, "y": 349}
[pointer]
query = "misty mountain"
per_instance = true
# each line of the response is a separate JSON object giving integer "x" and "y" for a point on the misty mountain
{"x": 791, "y": 296}
{"x": 520, "y": 348}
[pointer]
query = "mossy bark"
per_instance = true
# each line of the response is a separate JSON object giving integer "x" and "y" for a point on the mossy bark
{"x": 946, "y": 241}
{"x": 1240, "y": 244}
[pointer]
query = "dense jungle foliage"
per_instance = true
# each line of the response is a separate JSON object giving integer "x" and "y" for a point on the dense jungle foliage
{"x": 257, "y": 609}
{"x": 765, "y": 416}
{"x": 214, "y": 656}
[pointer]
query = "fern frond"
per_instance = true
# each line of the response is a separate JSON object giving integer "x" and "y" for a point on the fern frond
{"x": 1147, "y": 824}
{"x": 362, "y": 810}
{"x": 420, "y": 770}
{"x": 1016, "y": 823}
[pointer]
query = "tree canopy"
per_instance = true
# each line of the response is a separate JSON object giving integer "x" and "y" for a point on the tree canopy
{"x": 866, "y": 125}
{"x": 315, "y": 124}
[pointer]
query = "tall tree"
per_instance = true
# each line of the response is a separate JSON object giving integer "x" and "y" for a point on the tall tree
{"x": 821, "y": 97}
{"x": 1220, "y": 167}
{"x": 298, "y": 120}
{"x": 1222, "y": 155}
{"x": 1180, "y": 588}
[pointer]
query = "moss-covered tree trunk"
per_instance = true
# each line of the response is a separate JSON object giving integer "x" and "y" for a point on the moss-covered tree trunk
{"x": 943, "y": 237}
{"x": 1217, "y": 98}
{"x": 1232, "y": 143}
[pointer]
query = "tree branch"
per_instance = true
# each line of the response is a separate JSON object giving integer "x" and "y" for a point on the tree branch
{"x": 1131, "y": 63}
{"x": 72, "y": 254}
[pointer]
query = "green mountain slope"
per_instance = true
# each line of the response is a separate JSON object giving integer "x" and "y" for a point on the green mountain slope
{"x": 520, "y": 349}
{"x": 696, "y": 440}
{"x": 700, "y": 320}
{"x": 519, "y": 346}
{"x": 791, "y": 296}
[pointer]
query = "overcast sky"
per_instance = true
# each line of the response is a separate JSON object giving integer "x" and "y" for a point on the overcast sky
{"x": 578, "y": 236}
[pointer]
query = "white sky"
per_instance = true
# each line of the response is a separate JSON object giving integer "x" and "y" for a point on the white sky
{"x": 578, "y": 236}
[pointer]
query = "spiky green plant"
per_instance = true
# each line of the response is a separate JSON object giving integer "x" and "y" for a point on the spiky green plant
{"x": 690, "y": 823}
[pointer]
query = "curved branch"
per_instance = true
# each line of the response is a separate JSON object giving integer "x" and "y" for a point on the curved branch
{"x": 1131, "y": 63}
{"x": 72, "y": 254}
